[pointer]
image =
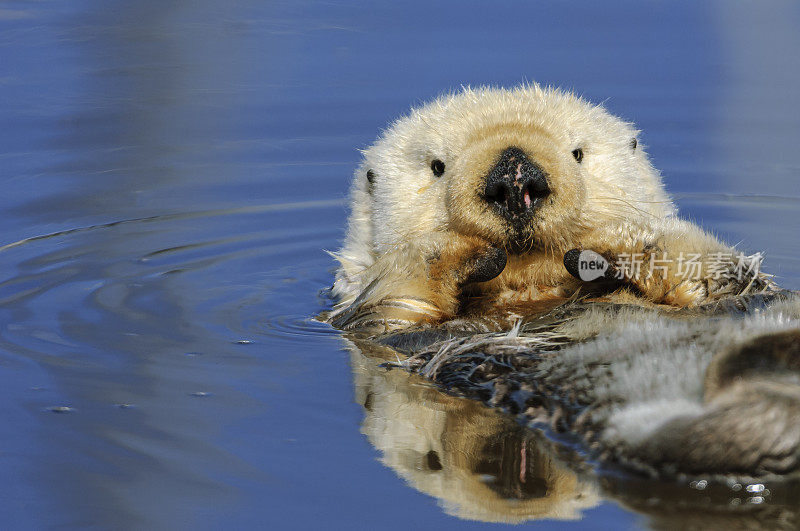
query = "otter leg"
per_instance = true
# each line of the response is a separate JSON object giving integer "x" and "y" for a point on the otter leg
{"x": 420, "y": 282}
{"x": 749, "y": 427}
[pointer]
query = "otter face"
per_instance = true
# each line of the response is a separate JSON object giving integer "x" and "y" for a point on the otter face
{"x": 518, "y": 187}
{"x": 527, "y": 170}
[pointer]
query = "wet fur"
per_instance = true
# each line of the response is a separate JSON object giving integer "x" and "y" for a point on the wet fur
{"x": 712, "y": 392}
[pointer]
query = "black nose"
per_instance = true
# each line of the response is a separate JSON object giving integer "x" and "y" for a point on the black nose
{"x": 515, "y": 185}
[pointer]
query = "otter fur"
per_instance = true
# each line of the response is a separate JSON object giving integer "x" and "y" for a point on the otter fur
{"x": 467, "y": 218}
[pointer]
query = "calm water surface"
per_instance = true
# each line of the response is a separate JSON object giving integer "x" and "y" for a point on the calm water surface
{"x": 173, "y": 171}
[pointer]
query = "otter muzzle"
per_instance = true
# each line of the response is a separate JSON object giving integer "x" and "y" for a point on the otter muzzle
{"x": 516, "y": 185}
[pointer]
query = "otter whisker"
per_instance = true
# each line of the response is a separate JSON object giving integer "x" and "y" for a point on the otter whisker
{"x": 637, "y": 209}
{"x": 664, "y": 202}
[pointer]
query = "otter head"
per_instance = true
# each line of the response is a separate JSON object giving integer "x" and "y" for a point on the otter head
{"x": 527, "y": 169}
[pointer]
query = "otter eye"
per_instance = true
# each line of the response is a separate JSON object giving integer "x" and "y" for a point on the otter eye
{"x": 578, "y": 154}
{"x": 634, "y": 143}
{"x": 438, "y": 167}
{"x": 371, "y": 176}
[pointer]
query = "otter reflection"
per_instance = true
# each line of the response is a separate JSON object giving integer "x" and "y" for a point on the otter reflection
{"x": 482, "y": 465}
{"x": 478, "y": 463}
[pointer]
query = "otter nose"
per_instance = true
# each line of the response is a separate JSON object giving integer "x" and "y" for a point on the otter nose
{"x": 515, "y": 185}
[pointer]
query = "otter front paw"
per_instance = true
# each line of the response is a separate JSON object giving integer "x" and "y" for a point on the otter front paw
{"x": 671, "y": 261}
{"x": 386, "y": 316}
{"x": 462, "y": 262}
{"x": 484, "y": 266}
{"x": 421, "y": 284}
{"x": 685, "y": 279}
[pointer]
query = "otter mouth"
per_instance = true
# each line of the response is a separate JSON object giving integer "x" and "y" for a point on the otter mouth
{"x": 515, "y": 203}
{"x": 521, "y": 246}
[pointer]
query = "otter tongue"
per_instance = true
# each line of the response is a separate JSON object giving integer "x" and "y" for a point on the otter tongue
{"x": 527, "y": 197}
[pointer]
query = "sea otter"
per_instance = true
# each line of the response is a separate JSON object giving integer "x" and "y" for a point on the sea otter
{"x": 660, "y": 348}
{"x": 470, "y": 204}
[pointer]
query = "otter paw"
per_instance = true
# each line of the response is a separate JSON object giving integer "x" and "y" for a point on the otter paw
{"x": 664, "y": 280}
{"x": 387, "y": 316}
{"x": 589, "y": 266}
{"x": 485, "y": 266}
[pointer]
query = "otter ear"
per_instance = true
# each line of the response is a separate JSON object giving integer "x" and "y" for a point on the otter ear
{"x": 370, "y": 180}
{"x": 633, "y": 143}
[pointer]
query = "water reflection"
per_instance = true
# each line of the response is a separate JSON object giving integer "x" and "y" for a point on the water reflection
{"x": 482, "y": 465}
{"x": 479, "y": 464}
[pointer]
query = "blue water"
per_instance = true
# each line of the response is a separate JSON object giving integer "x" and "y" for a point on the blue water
{"x": 173, "y": 171}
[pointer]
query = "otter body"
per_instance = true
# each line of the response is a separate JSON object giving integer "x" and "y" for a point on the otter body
{"x": 661, "y": 348}
{"x": 710, "y": 392}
